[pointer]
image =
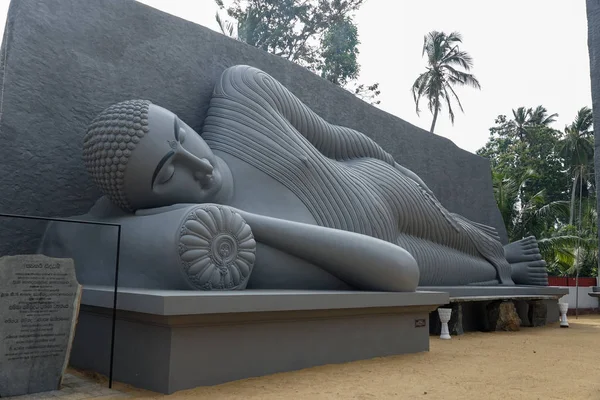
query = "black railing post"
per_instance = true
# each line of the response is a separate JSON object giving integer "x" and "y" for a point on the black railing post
{"x": 114, "y": 315}
{"x": 75, "y": 221}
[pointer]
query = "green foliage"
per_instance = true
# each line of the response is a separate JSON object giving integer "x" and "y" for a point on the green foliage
{"x": 340, "y": 52}
{"x": 367, "y": 93}
{"x": 523, "y": 218}
{"x": 444, "y": 63}
{"x": 317, "y": 34}
{"x": 566, "y": 251}
{"x": 523, "y": 144}
{"x": 577, "y": 149}
{"x": 540, "y": 176}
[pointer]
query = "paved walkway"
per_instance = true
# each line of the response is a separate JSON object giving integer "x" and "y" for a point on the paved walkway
{"x": 75, "y": 388}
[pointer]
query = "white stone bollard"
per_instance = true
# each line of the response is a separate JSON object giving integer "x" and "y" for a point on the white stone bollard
{"x": 445, "y": 314}
{"x": 563, "y": 308}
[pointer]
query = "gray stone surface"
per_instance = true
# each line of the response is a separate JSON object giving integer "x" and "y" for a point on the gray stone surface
{"x": 551, "y": 310}
{"x": 185, "y": 302}
{"x": 297, "y": 203}
{"x": 473, "y": 303}
{"x": 537, "y": 313}
{"x": 65, "y": 61}
{"x": 456, "y": 320}
{"x": 527, "y": 265}
{"x": 476, "y": 313}
{"x": 593, "y": 20}
{"x": 462, "y": 293}
{"x": 77, "y": 387}
{"x": 39, "y": 304}
{"x": 175, "y": 352}
{"x": 174, "y": 340}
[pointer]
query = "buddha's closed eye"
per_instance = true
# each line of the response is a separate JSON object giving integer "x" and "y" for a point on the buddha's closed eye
{"x": 162, "y": 173}
{"x": 165, "y": 174}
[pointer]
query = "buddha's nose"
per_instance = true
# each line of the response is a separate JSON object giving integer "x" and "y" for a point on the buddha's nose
{"x": 202, "y": 166}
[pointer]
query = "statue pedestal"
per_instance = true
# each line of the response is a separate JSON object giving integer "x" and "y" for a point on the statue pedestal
{"x": 445, "y": 314}
{"x": 473, "y": 306}
{"x": 564, "y": 308}
{"x": 537, "y": 313}
{"x": 502, "y": 316}
{"x": 174, "y": 340}
{"x": 455, "y": 325}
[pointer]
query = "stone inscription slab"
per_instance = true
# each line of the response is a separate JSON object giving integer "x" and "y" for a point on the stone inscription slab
{"x": 39, "y": 305}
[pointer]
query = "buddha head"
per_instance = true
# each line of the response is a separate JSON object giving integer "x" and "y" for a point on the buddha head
{"x": 141, "y": 156}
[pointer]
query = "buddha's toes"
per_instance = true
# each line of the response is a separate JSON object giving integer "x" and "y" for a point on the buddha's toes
{"x": 530, "y": 273}
{"x": 524, "y": 250}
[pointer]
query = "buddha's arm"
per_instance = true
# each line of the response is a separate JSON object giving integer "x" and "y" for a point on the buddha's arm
{"x": 488, "y": 230}
{"x": 359, "y": 260}
{"x": 362, "y": 261}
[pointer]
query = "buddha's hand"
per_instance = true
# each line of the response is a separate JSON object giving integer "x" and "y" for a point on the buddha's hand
{"x": 216, "y": 247}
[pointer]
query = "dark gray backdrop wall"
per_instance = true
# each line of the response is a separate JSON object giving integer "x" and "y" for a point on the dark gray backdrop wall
{"x": 63, "y": 61}
{"x": 593, "y": 19}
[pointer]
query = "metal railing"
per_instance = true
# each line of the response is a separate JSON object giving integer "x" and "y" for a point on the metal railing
{"x": 118, "y": 253}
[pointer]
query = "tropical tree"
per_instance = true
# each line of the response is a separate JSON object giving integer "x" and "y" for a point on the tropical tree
{"x": 577, "y": 150}
{"x": 571, "y": 250}
{"x": 533, "y": 216}
{"x": 543, "y": 203}
{"x": 339, "y": 52}
{"x": 526, "y": 143}
{"x": 368, "y": 93}
{"x": 444, "y": 63}
{"x": 320, "y": 35}
{"x": 567, "y": 250}
{"x": 526, "y": 119}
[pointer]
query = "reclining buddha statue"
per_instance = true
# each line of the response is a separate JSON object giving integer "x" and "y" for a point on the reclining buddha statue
{"x": 270, "y": 196}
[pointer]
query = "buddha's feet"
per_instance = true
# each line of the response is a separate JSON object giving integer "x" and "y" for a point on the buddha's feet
{"x": 527, "y": 265}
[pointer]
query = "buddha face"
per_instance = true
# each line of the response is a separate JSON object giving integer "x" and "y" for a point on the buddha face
{"x": 172, "y": 164}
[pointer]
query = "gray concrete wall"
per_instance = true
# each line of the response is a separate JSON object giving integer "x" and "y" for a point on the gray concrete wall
{"x": 593, "y": 18}
{"x": 168, "y": 354}
{"x": 63, "y": 61}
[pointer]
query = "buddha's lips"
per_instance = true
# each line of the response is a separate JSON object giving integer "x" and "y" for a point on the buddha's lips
{"x": 206, "y": 179}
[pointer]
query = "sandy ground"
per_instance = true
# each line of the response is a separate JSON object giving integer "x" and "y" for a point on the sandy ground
{"x": 534, "y": 363}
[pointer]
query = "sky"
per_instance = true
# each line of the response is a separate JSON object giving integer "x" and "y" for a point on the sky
{"x": 526, "y": 53}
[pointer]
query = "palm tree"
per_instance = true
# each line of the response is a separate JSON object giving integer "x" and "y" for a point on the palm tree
{"x": 536, "y": 216}
{"x": 571, "y": 251}
{"x": 540, "y": 116}
{"x": 524, "y": 218}
{"x": 577, "y": 149}
{"x": 436, "y": 84}
{"x": 564, "y": 250}
{"x": 527, "y": 118}
{"x": 244, "y": 30}
{"x": 506, "y": 193}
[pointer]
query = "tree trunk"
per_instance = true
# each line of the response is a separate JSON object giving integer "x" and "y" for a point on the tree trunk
{"x": 435, "y": 114}
{"x": 573, "y": 188}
